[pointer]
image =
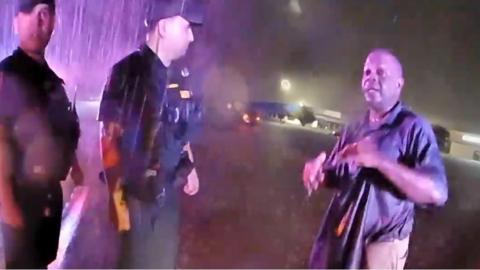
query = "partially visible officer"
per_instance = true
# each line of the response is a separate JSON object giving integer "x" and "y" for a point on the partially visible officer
{"x": 146, "y": 153}
{"x": 39, "y": 132}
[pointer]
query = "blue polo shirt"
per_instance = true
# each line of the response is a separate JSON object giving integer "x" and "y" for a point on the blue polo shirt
{"x": 367, "y": 207}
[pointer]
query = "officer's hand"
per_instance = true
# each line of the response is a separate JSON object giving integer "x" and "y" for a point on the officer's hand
{"x": 13, "y": 217}
{"x": 313, "y": 174}
{"x": 193, "y": 184}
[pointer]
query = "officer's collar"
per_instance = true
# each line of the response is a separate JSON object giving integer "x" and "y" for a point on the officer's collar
{"x": 152, "y": 56}
{"x": 33, "y": 66}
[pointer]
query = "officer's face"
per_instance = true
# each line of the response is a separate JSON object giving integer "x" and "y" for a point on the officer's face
{"x": 382, "y": 80}
{"x": 35, "y": 28}
{"x": 177, "y": 35}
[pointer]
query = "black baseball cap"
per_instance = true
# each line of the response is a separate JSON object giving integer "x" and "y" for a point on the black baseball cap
{"x": 26, "y": 6}
{"x": 191, "y": 10}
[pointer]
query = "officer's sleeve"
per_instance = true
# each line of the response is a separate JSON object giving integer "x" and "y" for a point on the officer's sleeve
{"x": 113, "y": 97}
{"x": 2, "y": 99}
{"x": 6, "y": 196}
{"x": 425, "y": 155}
{"x": 11, "y": 98}
{"x": 4, "y": 114}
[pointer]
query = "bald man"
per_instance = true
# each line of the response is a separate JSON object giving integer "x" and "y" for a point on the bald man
{"x": 381, "y": 167}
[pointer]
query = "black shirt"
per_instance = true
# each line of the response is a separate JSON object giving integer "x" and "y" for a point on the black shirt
{"x": 41, "y": 123}
{"x": 134, "y": 97}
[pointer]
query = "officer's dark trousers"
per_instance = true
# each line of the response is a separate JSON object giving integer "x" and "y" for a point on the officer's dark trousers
{"x": 153, "y": 239}
{"x": 35, "y": 245}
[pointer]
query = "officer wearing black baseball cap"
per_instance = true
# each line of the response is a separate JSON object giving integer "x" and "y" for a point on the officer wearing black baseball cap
{"x": 191, "y": 10}
{"x": 39, "y": 132}
{"x": 26, "y": 6}
{"x": 155, "y": 164}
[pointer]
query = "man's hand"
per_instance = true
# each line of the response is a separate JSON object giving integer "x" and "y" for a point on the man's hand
{"x": 364, "y": 153}
{"x": 193, "y": 184}
{"x": 313, "y": 174}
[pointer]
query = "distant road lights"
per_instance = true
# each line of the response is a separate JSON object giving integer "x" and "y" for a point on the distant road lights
{"x": 246, "y": 118}
{"x": 286, "y": 85}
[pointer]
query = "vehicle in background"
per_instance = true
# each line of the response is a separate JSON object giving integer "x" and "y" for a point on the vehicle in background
{"x": 305, "y": 115}
{"x": 251, "y": 118}
{"x": 443, "y": 138}
{"x": 476, "y": 155}
{"x": 330, "y": 125}
{"x": 251, "y": 113}
{"x": 336, "y": 133}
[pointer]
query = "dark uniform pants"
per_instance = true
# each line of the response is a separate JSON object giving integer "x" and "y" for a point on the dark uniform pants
{"x": 35, "y": 245}
{"x": 152, "y": 241}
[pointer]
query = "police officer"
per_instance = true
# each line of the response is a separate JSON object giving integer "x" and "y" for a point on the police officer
{"x": 39, "y": 132}
{"x": 144, "y": 149}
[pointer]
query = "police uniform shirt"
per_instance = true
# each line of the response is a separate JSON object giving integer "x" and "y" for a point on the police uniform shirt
{"x": 134, "y": 97}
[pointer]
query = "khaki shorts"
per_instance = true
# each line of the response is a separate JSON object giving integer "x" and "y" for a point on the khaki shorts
{"x": 387, "y": 255}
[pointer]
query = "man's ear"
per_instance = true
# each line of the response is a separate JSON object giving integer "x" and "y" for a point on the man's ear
{"x": 161, "y": 27}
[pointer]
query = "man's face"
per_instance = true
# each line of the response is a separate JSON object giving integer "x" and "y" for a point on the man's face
{"x": 35, "y": 28}
{"x": 382, "y": 80}
{"x": 177, "y": 35}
